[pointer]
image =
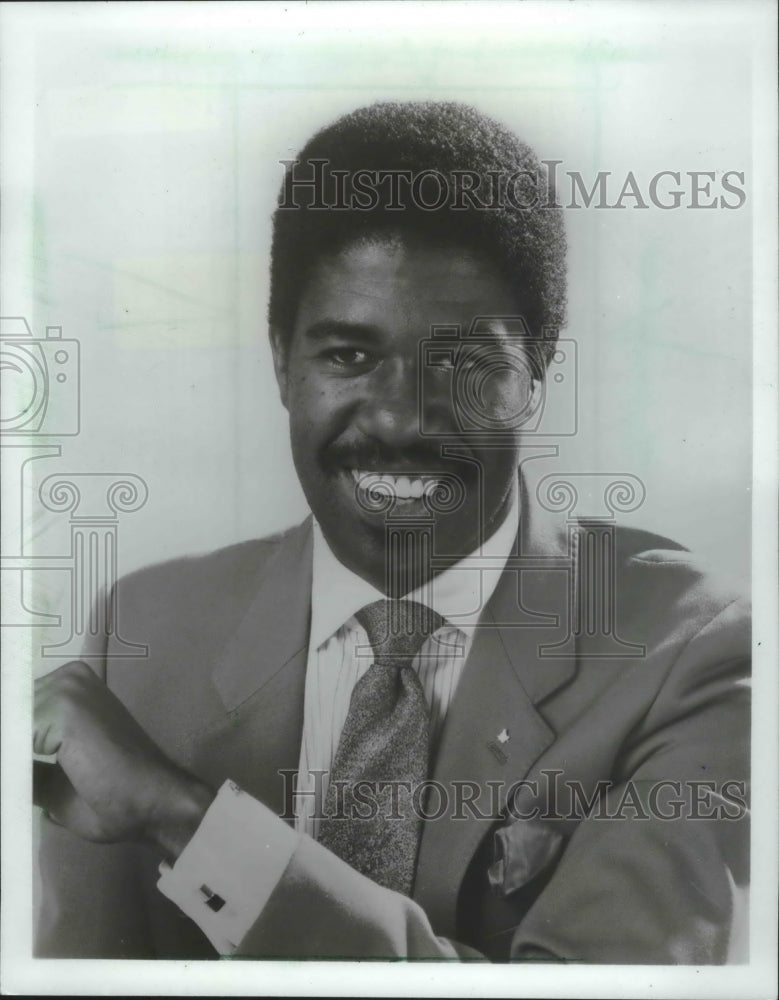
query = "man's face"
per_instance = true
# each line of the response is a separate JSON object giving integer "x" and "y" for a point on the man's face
{"x": 360, "y": 396}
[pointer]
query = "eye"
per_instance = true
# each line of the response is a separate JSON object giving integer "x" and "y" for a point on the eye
{"x": 461, "y": 358}
{"x": 443, "y": 360}
{"x": 471, "y": 358}
{"x": 348, "y": 358}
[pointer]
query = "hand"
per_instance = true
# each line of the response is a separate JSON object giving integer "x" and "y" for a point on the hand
{"x": 111, "y": 782}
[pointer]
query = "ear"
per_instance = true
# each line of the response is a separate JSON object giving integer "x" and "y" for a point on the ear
{"x": 280, "y": 347}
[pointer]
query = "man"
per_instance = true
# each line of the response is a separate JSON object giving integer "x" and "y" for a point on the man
{"x": 392, "y": 731}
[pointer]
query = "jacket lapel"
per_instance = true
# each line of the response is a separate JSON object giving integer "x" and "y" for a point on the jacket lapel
{"x": 274, "y": 629}
{"x": 260, "y": 677}
{"x": 493, "y": 731}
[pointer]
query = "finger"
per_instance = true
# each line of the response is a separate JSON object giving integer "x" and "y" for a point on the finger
{"x": 45, "y": 778}
{"x": 47, "y": 707}
{"x": 46, "y": 740}
{"x": 54, "y": 793}
{"x": 54, "y": 693}
{"x": 73, "y": 670}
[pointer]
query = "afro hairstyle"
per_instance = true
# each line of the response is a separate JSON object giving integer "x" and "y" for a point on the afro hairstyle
{"x": 524, "y": 236}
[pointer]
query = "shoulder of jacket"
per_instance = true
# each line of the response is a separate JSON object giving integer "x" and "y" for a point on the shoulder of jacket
{"x": 666, "y": 573}
{"x": 235, "y": 562}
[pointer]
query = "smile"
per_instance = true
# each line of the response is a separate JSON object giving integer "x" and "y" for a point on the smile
{"x": 401, "y": 487}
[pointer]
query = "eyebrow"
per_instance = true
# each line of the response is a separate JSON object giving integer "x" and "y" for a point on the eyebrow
{"x": 495, "y": 328}
{"x": 327, "y": 329}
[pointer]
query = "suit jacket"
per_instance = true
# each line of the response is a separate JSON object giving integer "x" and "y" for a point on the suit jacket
{"x": 656, "y": 693}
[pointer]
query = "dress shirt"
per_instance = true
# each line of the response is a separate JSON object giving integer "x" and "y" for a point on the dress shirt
{"x": 223, "y": 878}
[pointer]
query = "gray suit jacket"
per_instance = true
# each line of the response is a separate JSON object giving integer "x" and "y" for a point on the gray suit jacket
{"x": 660, "y": 697}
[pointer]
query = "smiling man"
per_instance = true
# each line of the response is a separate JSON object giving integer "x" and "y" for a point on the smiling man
{"x": 392, "y": 731}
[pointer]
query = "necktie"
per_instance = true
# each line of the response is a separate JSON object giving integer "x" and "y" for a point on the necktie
{"x": 371, "y": 820}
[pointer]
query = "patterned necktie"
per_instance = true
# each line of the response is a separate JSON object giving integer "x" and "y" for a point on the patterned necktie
{"x": 385, "y": 739}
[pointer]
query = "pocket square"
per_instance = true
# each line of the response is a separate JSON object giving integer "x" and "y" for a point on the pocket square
{"x": 522, "y": 850}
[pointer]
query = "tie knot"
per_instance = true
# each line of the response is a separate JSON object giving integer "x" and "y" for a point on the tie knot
{"x": 397, "y": 629}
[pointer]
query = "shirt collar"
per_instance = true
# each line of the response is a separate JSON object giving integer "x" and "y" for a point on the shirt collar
{"x": 459, "y": 594}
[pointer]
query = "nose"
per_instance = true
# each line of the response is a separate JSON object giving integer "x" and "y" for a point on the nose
{"x": 389, "y": 410}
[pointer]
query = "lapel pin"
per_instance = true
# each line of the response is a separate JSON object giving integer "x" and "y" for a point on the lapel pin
{"x": 496, "y": 746}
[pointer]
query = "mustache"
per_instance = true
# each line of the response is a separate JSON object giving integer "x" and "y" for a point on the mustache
{"x": 374, "y": 456}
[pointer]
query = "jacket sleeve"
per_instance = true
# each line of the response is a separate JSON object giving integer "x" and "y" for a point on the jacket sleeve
{"x": 258, "y": 889}
{"x": 322, "y": 908}
{"x": 90, "y": 904}
{"x": 641, "y": 888}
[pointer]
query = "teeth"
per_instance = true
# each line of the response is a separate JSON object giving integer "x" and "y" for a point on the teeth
{"x": 402, "y": 487}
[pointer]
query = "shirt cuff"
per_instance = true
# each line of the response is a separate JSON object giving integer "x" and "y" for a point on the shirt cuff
{"x": 225, "y": 875}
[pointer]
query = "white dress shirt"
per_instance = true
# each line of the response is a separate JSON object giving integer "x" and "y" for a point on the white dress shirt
{"x": 224, "y": 876}
{"x": 339, "y": 652}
